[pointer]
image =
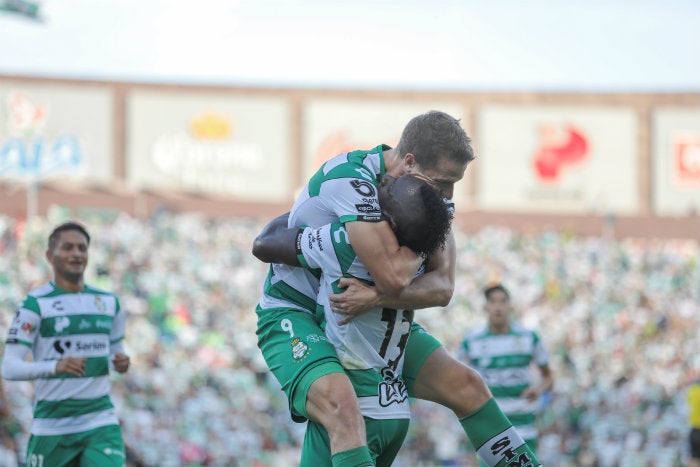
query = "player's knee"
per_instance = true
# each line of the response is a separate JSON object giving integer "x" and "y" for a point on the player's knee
{"x": 332, "y": 402}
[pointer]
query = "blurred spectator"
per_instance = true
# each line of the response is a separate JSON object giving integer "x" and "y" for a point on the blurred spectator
{"x": 620, "y": 320}
{"x": 694, "y": 421}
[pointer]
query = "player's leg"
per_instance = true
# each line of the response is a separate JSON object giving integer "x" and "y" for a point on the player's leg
{"x": 432, "y": 374}
{"x": 306, "y": 365}
{"x": 54, "y": 451}
{"x": 385, "y": 438}
{"x": 104, "y": 446}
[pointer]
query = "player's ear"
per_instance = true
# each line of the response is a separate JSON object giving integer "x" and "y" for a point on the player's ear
{"x": 409, "y": 162}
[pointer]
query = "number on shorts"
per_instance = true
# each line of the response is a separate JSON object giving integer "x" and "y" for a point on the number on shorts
{"x": 36, "y": 460}
{"x": 287, "y": 326}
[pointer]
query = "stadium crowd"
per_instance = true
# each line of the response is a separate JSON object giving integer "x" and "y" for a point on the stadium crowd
{"x": 619, "y": 317}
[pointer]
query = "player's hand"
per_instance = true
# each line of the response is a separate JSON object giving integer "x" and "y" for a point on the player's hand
{"x": 121, "y": 362}
{"x": 530, "y": 393}
{"x": 357, "y": 298}
{"x": 71, "y": 366}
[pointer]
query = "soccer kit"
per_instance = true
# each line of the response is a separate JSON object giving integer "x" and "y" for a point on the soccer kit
{"x": 295, "y": 347}
{"x": 70, "y": 413}
{"x": 370, "y": 347}
{"x": 504, "y": 360}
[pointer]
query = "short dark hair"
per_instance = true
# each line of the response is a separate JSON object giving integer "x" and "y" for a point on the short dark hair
{"x": 433, "y": 136}
{"x": 488, "y": 291}
{"x": 66, "y": 226}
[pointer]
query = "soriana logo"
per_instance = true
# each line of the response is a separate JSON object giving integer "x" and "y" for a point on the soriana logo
{"x": 686, "y": 161}
{"x": 559, "y": 149}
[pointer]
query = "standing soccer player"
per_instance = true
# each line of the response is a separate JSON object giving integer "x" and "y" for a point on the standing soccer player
{"x": 72, "y": 331}
{"x": 503, "y": 353}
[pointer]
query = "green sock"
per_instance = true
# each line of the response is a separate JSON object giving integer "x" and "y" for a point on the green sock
{"x": 356, "y": 457}
{"x": 496, "y": 441}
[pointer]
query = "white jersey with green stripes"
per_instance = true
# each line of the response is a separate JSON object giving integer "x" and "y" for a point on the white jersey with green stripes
{"x": 505, "y": 362}
{"x": 54, "y": 324}
{"x": 371, "y": 346}
{"x": 344, "y": 189}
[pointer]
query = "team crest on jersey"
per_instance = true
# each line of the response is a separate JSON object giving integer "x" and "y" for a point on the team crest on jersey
{"x": 100, "y": 304}
{"x": 299, "y": 349}
{"x": 27, "y": 327}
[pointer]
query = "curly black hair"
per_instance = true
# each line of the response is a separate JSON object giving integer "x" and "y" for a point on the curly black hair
{"x": 428, "y": 236}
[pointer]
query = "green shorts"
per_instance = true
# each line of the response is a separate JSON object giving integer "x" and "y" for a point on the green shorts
{"x": 296, "y": 351}
{"x": 101, "y": 446}
{"x": 384, "y": 439}
{"x": 420, "y": 345}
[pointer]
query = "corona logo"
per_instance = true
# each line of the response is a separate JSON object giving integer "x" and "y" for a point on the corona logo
{"x": 210, "y": 125}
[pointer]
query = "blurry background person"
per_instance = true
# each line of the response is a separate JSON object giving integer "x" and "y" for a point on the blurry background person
{"x": 694, "y": 421}
{"x": 503, "y": 353}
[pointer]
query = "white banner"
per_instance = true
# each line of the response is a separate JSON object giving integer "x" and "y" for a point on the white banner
{"x": 572, "y": 160}
{"x": 210, "y": 143}
{"x": 676, "y": 161}
{"x": 50, "y": 131}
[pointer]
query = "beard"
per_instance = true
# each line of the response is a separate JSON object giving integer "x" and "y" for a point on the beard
{"x": 71, "y": 276}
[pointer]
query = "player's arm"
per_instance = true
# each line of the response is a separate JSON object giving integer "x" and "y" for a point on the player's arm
{"x": 120, "y": 360}
{"x": 392, "y": 267}
{"x": 277, "y": 243}
{"x": 15, "y": 366}
{"x": 546, "y": 383}
{"x": 434, "y": 288}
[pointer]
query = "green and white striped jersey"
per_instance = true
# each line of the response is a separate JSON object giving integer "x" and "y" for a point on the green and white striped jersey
{"x": 504, "y": 361}
{"x": 344, "y": 189}
{"x": 53, "y": 324}
{"x": 371, "y": 346}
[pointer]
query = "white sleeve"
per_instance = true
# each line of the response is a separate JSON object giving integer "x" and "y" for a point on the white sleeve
{"x": 116, "y": 334}
{"x": 15, "y": 367}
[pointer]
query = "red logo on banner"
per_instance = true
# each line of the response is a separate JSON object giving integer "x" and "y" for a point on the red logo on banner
{"x": 27, "y": 118}
{"x": 686, "y": 161}
{"x": 558, "y": 149}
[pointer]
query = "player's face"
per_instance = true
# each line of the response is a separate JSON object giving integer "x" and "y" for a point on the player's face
{"x": 446, "y": 173}
{"x": 498, "y": 308}
{"x": 70, "y": 255}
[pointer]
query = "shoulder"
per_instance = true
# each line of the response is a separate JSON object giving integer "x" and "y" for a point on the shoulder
{"x": 477, "y": 334}
{"x": 42, "y": 291}
{"x": 89, "y": 289}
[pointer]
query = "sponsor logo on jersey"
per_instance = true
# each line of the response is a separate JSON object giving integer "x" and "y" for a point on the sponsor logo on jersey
{"x": 62, "y": 346}
{"x": 367, "y": 208}
{"x": 319, "y": 240}
{"x": 27, "y": 327}
{"x": 115, "y": 452}
{"x": 299, "y": 349}
{"x": 392, "y": 392}
{"x": 61, "y": 323}
{"x": 364, "y": 188}
{"x": 84, "y": 324}
{"x": 57, "y": 305}
{"x": 101, "y": 324}
{"x": 90, "y": 346}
